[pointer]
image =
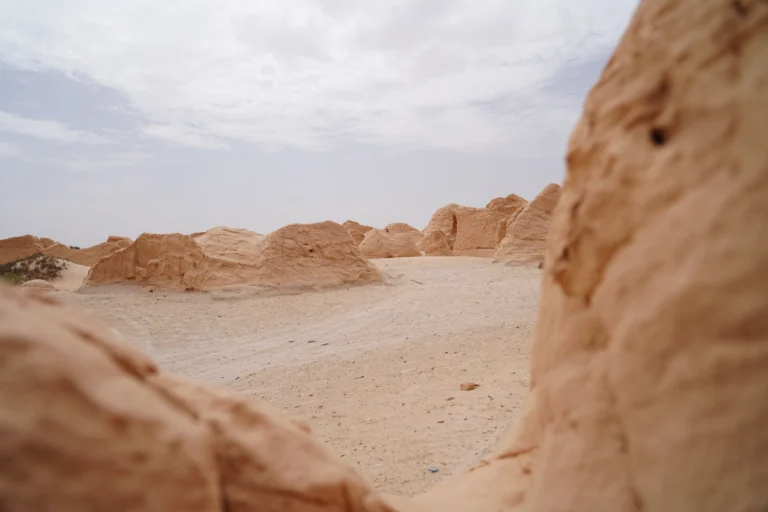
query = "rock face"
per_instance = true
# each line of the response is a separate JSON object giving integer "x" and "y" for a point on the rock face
{"x": 356, "y": 230}
{"x": 16, "y": 248}
{"x": 89, "y": 256}
{"x": 649, "y": 357}
{"x": 469, "y": 231}
{"x": 527, "y": 231}
{"x": 507, "y": 205}
{"x": 379, "y": 243}
{"x": 238, "y": 245}
{"x": 121, "y": 428}
{"x": 400, "y": 228}
{"x": 436, "y": 244}
{"x": 311, "y": 255}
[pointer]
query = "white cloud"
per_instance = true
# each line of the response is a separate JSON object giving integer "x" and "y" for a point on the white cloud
{"x": 307, "y": 73}
{"x": 51, "y": 131}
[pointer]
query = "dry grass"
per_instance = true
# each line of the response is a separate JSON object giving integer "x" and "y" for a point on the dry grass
{"x": 32, "y": 267}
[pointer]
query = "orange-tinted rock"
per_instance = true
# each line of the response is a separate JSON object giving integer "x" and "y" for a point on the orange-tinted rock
{"x": 400, "y": 228}
{"x": 507, "y": 205}
{"x": 379, "y": 243}
{"x": 18, "y": 247}
{"x": 436, "y": 244}
{"x": 527, "y": 234}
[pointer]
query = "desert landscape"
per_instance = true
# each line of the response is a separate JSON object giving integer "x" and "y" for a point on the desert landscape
{"x": 599, "y": 347}
{"x": 365, "y": 334}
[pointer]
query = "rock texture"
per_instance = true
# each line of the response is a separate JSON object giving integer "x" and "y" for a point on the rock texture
{"x": 88, "y": 256}
{"x": 526, "y": 235}
{"x": 311, "y": 255}
{"x": 508, "y": 205}
{"x": 650, "y": 355}
{"x": 469, "y": 231}
{"x": 88, "y": 423}
{"x": 356, "y": 230}
{"x": 379, "y": 243}
{"x": 18, "y": 247}
{"x": 400, "y": 228}
{"x": 436, "y": 244}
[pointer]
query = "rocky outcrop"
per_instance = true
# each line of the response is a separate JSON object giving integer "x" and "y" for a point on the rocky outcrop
{"x": 436, "y": 244}
{"x": 508, "y": 205}
{"x": 113, "y": 413}
{"x": 356, "y": 230}
{"x": 88, "y": 256}
{"x": 19, "y": 247}
{"x": 379, "y": 243}
{"x": 295, "y": 256}
{"x": 526, "y": 235}
{"x": 400, "y": 228}
{"x": 469, "y": 231}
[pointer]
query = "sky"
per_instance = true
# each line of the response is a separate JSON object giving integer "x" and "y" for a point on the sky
{"x": 127, "y": 116}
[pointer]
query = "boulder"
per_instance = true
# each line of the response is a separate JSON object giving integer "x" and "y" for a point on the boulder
{"x": 478, "y": 231}
{"x": 507, "y": 205}
{"x": 400, "y": 228}
{"x": 469, "y": 231}
{"x": 379, "y": 243}
{"x": 122, "y": 428}
{"x": 19, "y": 247}
{"x": 527, "y": 231}
{"x": 436, "y": 244}
{"x": 295, "y": 256}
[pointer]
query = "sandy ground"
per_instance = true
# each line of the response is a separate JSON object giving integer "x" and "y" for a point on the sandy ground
{"x": 375, "y": 370}
{"x": 72, "y": 277}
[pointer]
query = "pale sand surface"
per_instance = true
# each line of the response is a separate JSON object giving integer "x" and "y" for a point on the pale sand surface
{"x": 371, "y": 368}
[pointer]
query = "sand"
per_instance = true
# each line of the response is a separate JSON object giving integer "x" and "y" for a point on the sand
{"x": 374, "y": 370}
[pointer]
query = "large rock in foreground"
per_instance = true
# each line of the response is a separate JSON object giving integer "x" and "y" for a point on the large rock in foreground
{"x": 526, "y": 235}
{"x": 295, "y": 256}
{"x": 379, "y": 243}
{"x": 89, "y": 423}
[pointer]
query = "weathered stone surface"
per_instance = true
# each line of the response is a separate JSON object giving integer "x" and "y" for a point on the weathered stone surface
{"x": 379, "y": 243}
{"x": 470, "y": 231}
{"x": 527, "y": 229}
{"x": 507, "y": 205}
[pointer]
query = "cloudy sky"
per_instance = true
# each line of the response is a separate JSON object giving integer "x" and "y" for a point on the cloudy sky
{"x": 124, "y": 116}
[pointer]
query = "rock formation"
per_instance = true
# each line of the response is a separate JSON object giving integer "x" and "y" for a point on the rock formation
{"x": 356, "y": 230}
{"x": 507, "y": 205}
{"x": 89, "y": 423}
{"x": 469, "y": 231}
{"x": 312, "y": 255}
{"x": 379, "y": 243}
{"x": 649, "y": 366}
{"x": 88, "y": 256}
{"x": 527, "y": 231}
{"x": 39, "y": 284}
{"x": 436, "y": 244}
{"x": 400, "y": 228}
{"x": 18, "y": 247}
{"x": 239, "y": 245}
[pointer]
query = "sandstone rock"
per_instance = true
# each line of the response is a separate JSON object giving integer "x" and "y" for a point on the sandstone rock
{"x": 507, "y": 205}
{"x": 39, "y": 284}
{"x": 379, "y": 243}
{"x": 356, "y": 230}
{"x": 527, "y": 234}
{"x": 87, "y": 423}
{"x": 239, "y": 245}
{"x": 356, "y": 235}
{"x": 88, "y": 256}
{"x": 295, "y": 256}
{"x": 468, "y": 386}
{"x": 400, "y": 228}
{"x": 18, "y": 247}
{"x": 478, "y": 231}
{"x": 47, "y": 242}
{"x": 436, "y": 244}
{"x": 470, "y": 231}
{"x": 649, "y": 362}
